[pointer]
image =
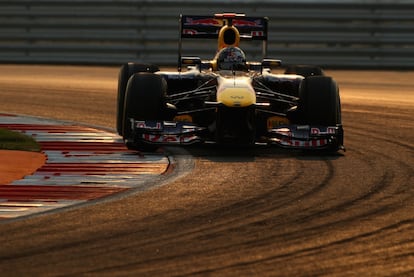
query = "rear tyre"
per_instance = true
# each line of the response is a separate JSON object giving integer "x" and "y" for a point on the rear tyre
{"x": 126, "y": 71}
{"x": 304, "y": 70}
{"x": 144, "y": 100}
{"x": 319, "y": 104}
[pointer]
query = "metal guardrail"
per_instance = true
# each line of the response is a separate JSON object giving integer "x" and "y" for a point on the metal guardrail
{"x": 365, "y": 34}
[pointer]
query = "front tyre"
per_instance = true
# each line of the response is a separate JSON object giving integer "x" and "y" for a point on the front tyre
{"x": 144, "y": 100}
{"x": 319, "y": 104}
{"x": 126, "y": 71}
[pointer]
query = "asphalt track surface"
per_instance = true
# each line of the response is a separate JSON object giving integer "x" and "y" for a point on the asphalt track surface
{"x": 249, "y": 212}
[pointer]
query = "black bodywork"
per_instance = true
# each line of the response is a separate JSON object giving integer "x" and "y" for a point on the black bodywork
{"x": 299, "y": 108}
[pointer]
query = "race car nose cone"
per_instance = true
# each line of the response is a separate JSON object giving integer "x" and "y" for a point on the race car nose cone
{"x": 237, "y": 93}
{"x": 236, "y": 97}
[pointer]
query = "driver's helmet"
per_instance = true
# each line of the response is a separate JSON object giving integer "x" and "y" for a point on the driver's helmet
{"x": 231, "y": 58}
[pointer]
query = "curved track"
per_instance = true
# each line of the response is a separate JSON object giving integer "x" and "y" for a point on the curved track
{"x": 241, "y": 211}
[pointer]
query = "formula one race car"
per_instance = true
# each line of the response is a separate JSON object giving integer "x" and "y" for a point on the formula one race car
{"x": 228, "y": 100}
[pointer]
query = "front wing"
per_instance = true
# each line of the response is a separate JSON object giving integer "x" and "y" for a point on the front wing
{"x": 286, "y": 136}
{"x": 307, "y": 137}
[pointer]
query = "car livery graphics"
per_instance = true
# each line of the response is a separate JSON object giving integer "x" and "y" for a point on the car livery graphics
{"x": 228, "y": 100}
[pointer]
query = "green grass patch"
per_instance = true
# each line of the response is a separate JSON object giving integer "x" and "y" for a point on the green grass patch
{"x": 10, "y": 140}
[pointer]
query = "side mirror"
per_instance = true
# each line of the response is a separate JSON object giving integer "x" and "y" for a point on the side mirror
{"x": 190, "y": 61}
{"x": 254, "y": 66}
{"x": 271, "y": 63}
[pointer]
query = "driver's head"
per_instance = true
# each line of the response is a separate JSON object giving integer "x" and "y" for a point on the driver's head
{"x": 231, "y": 58}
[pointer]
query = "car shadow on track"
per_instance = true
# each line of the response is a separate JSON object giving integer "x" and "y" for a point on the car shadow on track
{"x": 237, "y": 153}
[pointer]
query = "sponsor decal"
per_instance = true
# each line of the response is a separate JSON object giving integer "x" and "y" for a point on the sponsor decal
{"x": 303, "y": 143}
{"x": 247, "y": 23}
{"x": 331, "y": 130}
{"x": 160, "y": 138}
{"x": 317, "y": 131}
{"x": 257, "y": 33}
{"x": 145, "y": 125}
{"x": 203, "y": 21}
{"x": 170, "y": 138}
{"x": 189, "y": 32}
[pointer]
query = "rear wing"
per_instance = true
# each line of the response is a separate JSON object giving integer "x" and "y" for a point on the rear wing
{"x": 212, "y": 27}
{"x": 198, "y": 26}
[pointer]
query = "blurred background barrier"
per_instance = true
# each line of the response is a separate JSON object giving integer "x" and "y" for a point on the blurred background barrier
{"x": 357, "y": 34}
